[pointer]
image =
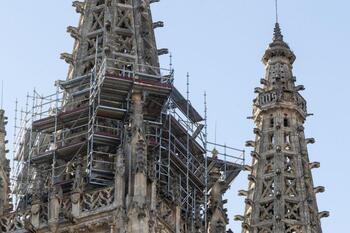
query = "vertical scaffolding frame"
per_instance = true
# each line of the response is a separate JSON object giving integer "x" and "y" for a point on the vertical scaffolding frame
{"x": 193, "y": 198}
{"x": 181, "y": 141}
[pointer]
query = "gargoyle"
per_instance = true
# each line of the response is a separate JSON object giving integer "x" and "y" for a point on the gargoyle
{"x": 79, "y": 7}
{"x": 67, "y": 58}
{"x": 74, "y": 32}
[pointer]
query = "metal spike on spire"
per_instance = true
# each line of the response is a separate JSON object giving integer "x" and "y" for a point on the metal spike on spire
{"x": 276, "y": 7}
{"x": 277, "y": 36}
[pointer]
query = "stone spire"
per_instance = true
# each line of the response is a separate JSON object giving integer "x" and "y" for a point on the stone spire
{"x": 281, "y": 196}
{"x": 120, "y": 33}
{"x": 4, "y": 168}
{"x": 115, "y": 29}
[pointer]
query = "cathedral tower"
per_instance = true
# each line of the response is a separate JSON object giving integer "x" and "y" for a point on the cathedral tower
{"x": 118, "y": 148}
{"x": 281, "y": 196}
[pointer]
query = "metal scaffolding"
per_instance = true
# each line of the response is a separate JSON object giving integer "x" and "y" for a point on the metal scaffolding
{"x": 85, "y": 122}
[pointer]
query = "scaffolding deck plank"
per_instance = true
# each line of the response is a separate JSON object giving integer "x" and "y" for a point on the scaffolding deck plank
{"x": 181, "y": 133}
{"x": 63, "y": 118}
{"x": 182, "y": 104}
{"x": 180, "y": 165}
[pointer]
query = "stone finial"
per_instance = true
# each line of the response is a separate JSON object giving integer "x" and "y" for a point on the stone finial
{"x": 277, "y": 35}
{"x": 215, "y": 153}
{"x": 278, "y": 48}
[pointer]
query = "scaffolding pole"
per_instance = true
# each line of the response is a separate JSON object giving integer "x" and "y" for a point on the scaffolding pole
{"x": 206, "y": 162}
{"x": 187, "y": 147}
{"x": 55, "y": 135}
{"x": 13, "y": 177}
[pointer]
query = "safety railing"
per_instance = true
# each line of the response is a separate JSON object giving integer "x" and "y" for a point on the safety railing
{"x": 131, "y": 70}
{"x": 226, "y": 153}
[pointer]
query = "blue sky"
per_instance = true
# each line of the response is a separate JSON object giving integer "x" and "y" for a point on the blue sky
{"x": 221, "y": 44}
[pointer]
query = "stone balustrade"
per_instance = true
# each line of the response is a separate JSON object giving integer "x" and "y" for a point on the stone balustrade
{"x": 73, "y": 206}
{"x": 271, "y": 97}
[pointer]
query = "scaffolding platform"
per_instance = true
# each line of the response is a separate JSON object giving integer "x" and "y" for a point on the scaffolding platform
{"x": 86, "y": 122}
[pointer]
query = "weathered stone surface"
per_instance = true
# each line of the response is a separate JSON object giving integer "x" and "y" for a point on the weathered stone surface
{"x": 114, "y": 157}
{"x": 281, "y": 195}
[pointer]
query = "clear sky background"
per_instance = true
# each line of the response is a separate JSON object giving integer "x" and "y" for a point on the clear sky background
{"x": 220, "y": 43}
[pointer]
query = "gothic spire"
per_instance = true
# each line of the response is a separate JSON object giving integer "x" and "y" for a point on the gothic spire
{"x": 278, "y": 47}
{"x": 281, "y": 195}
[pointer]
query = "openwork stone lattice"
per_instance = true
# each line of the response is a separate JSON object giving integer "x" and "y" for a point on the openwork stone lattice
{"x": 15, "y": 221}
{"x": 97, "y": 199}
{"x": 281, "y": 195}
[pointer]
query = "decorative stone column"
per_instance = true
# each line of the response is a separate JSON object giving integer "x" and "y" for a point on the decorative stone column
{"x": 178, "y": 219}
{"x": 217, "y": 216}
{"x": 153, "y": 207}
{"x": 76, "y": 203}
{"x": 140, "y": 190}
{"x": 177, "y": 202}
{"x": 138, "y": 209}
{"x": 119, "y": 184}
{"x": 35, "y": 215}
{"x": 37, "y": 196}
{"x": 54, "y": 208}
{"x": 120, "y": 219}
{"x": 77, "y": 189}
